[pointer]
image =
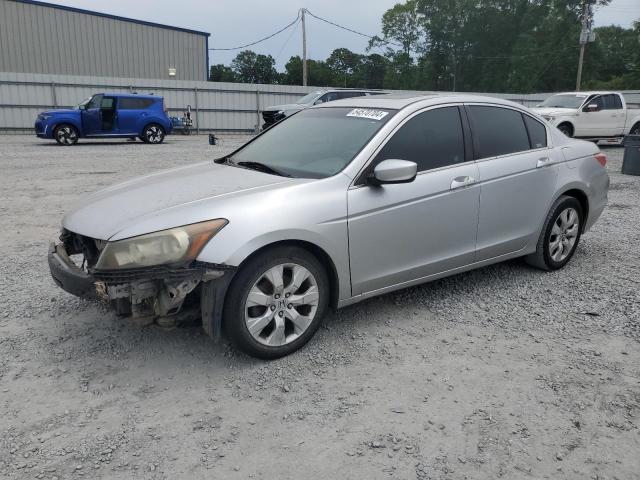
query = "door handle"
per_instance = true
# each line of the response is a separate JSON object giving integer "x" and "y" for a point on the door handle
{"x": 460, "y": 182}
{"x": 543, "y": 162}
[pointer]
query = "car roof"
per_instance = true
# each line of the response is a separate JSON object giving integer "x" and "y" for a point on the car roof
{"x": 133, "y": 95}
{"x": 594, "y": 92}
{"x": 398, "y": 101}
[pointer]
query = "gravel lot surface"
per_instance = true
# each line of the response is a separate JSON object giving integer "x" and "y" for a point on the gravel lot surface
{"x": 501, "y": 372}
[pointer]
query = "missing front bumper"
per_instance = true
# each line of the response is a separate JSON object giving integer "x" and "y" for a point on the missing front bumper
{"x": 147, "y": 294}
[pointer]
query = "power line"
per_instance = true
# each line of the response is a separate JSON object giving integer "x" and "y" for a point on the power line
{"x": 354, "y": 31}
{"x": 261, "y": 40}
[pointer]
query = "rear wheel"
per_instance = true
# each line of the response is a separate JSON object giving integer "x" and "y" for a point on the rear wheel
{"x": 153, "y": 134}
{"x": 66, "y": 135}
{"x": 276, "y": 302}
{"x": 560, "y": 235}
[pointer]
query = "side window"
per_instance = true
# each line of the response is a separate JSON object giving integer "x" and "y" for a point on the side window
{"x": 497, "y": 131}
{"x": 599, "y": 101}
{"x": 107, "y": 103}
{"x": 350, "y": 94}
{"x": 612, "y": 102}
{"x": 431, "y": 139}
{"x": 129, "y": 103}
{"x": 330, "y": 97}
{"x": 95, "y": 102}
{"x": 537, "y": 132}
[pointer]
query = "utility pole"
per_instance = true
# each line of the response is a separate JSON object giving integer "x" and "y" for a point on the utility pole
{"x": 586, "y": 36}
{"x": 304, "y": 49}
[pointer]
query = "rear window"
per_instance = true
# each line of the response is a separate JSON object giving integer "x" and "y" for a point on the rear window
{"x": 131, "y": 103}
{"x": 497, "y": 131}
{"x": 537, "y": 132}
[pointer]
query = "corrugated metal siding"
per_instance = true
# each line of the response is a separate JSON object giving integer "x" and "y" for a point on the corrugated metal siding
{"x": 39, "y": 39}
{"x": 221, "y": 107}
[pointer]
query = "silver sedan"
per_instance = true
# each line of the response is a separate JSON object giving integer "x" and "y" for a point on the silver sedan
{"x": 337, "y": 203}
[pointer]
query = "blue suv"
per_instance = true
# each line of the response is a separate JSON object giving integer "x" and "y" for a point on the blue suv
{"x": 109, "y": 115}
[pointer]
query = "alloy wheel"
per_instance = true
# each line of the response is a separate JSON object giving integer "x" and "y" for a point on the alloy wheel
{"x": 154, "y": 134}
{"x": 564, "y": 234}
{"x": 281, "y": 304}
{"x": 66, "y": 135}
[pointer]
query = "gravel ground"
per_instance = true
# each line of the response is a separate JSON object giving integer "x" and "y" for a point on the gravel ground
{"x": 501, "y": 372}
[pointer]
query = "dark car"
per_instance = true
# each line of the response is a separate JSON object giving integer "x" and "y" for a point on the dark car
{"x": 275, "y": 113}
{"x": 111, "y": 115}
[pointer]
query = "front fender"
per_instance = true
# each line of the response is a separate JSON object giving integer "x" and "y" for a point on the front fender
{"x": 64, "y": 119}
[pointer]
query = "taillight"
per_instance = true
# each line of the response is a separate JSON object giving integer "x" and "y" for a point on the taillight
{"x": 601, "y": 158}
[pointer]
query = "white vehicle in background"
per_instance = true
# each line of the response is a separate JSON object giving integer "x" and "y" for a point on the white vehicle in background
{"x": 591, "y": 115}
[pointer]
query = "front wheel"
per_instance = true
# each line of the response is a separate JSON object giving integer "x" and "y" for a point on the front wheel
{"x": 635, "y": 130}
{"x": 560, "y": 235}
{"x": 66, "y": 135}
{"x": 153, "y": 134}
{"x": 276, "y": 302}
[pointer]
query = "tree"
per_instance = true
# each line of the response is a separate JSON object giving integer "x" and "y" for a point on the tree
{"x": 343, "y": 63}
{"x": 250, "y": 67}
{"x": 221, "y": 73}
{"x": 401, "y": 25}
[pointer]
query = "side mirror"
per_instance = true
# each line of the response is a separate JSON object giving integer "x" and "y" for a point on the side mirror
{"x": 592, "y": 107}
{"x": 393, "y": 171}
{"x": 318, "y": 101}
{"x": 82, "y": 107}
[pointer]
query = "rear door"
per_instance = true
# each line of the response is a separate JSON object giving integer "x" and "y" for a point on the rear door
{"x": 613, "y": 104}
{"x": 518, "y": 173}
{"x": 130, "y": 111}
{"x": 399, "y": 233}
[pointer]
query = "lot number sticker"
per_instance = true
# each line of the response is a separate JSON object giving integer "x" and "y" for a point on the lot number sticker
{"x": 367, "y": 113}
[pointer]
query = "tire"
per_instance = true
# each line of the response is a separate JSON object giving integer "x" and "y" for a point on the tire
{"x": 560, "y": 235}
{"x": 635, "y": 130}
{"x": 153, "y": 133}
{"x": 566, "y": 129}
{"x": 66, "y": 134}
{"x": 267, "y": 322}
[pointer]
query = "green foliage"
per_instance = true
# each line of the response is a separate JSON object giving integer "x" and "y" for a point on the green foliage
{"x": 467, "y": 45}
{"x": 250, "y": 67}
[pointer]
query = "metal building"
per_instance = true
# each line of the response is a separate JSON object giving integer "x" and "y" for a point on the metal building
{"x": 39, "y": 37}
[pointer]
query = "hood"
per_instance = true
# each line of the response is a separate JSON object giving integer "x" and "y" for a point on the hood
{"x": 59, "y": 111}
{"x": 143, "y": 203}
{"x": 554, "y": 111}
{"x": 286, "y": 107}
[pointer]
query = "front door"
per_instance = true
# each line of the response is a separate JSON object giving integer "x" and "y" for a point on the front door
{"x": 595, "y": 123}
{"x": 518, "y": 174}
{"x": 91, "y": 117}
{"x": 404, "y": 232}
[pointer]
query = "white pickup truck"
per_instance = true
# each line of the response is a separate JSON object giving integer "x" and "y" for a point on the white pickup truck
{"x": 591, "y": 115}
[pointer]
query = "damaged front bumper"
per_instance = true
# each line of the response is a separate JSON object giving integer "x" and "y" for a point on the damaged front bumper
{"x": 151, "y": 293}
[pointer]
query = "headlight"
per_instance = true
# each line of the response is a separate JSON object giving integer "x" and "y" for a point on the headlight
{"x": 181, "y": 244}
{"x": 548, "y": 117}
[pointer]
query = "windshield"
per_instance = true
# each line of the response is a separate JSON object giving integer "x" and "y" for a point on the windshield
{"x": 82, "y": 103}
{"x": 315, "y": 143}
{"x": 563, "y": 101}
{"x": 309, "y": 98}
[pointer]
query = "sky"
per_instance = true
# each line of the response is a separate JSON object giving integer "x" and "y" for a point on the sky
{"x": 236, "y": 22}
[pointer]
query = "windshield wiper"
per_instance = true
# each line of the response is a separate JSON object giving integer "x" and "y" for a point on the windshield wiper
{"x": 262, "y": 167}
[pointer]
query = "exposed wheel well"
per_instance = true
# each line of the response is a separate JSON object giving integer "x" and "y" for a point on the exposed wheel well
{"x": 584, "y": 202}
{"x": 569, "y": 127}
{"x": 319, "y": 253}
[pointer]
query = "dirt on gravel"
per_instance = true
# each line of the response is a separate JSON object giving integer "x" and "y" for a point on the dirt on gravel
{"x": 503, "y": 372}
